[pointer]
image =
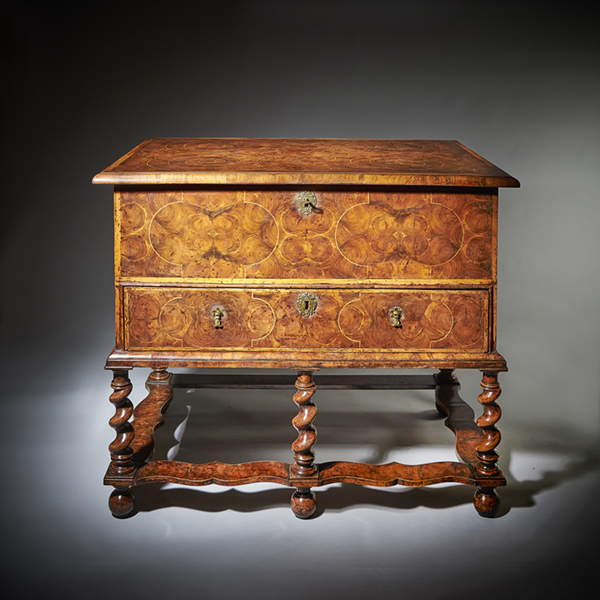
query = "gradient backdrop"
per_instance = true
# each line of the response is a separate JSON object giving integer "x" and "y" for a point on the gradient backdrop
{"x": 518, "y": 82}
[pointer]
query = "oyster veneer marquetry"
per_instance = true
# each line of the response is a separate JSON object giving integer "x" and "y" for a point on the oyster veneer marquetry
{"x": 303, "y": 254}
{"x": 172, "y": 318}
{"x": 228, "y": 161}
{"x": 196, "y": 234}
{"x": 420, "y": 236}
{"x": 258, "y": 234}
{"x": 183, "y": 318}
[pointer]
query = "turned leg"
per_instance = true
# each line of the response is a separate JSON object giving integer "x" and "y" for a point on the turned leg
{"x": 121, "y": 464}
{"x": 303, "y": 500}
{"x": 487, "y": 502}
{"x": 444, "y": 377}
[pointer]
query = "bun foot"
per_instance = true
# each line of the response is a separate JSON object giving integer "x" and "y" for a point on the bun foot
{"x": 486, "y": 502}
{"x": 304, "y": 503}
{"x": 121, "y": 502}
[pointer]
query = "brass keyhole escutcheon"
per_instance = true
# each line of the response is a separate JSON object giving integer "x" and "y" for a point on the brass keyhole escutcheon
{"x": 217, "y": 315}
{"x": 306, "y": 202}
{"x": 307, "y": 304}
{"x": 395, "y": 316}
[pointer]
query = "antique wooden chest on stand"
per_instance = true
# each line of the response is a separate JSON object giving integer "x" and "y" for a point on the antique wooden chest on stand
{"x": 304, "y": 254}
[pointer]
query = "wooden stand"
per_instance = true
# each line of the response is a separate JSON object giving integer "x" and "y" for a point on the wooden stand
{"x": 236, "y": 253}
{"x": 131, "y": 451}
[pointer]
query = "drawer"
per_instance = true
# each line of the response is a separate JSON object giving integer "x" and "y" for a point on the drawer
{"x": 263, "y": 319}
{"x": 301, "y": 234}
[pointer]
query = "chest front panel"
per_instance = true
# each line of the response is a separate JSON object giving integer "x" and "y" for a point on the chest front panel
{"x": 279, "y": 253}
{"x": 269, "y": 234}
{"x": 350, "y": 319}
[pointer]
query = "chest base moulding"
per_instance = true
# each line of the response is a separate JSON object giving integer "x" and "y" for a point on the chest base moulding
{"x": 304, "y": 254}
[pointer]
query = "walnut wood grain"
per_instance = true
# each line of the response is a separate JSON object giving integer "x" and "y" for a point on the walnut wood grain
{"x": 459, "y": 420}
{"x": 148, "y": 414}
{"x": 304, "y": 456}
{"x": 486, "y": 452}
{"x": 282, "y": 253}
{"x": 170, "y": 471}
{"x": 122, "y": 466}
{"x": 183, "y": 318}
{"x": 387, "y": 475}
{"x": 325, "y": 358}
{"x": 304, "y": 501}
{"x": 475, "y": 442}
{"x": 249, "y": 234}
{"x": 269, "y": 319}
{"x": 121, "y": 452}
{"x": 303, "y": 161}
{"x": 460, "y": 416}
{"x": 121, "y": 502}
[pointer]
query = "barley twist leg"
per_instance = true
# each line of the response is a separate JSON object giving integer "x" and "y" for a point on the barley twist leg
{"x": 487, "y": 502}
{"x": 121, "y": 500}
{"x": 303, "y": 500}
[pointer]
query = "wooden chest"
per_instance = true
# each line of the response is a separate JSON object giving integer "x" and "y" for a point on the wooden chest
{"x": 299, "y": 253}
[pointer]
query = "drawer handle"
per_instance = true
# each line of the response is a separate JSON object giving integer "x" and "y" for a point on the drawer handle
{"x": 306, "y": 202}
{"x": 307, "y": 304}
{"x": 218, "y": 315}
{"x": 395, "y": 316}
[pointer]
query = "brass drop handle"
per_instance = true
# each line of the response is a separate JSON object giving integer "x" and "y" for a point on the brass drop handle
{"x": 395, "y": 316}
{"x": 306, "y": 202}
{"x": 218, "y": 315}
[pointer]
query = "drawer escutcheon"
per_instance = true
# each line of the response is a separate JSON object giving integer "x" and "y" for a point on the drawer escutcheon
{"x": 306, "y": 202}
{"x": 307, "y": 304}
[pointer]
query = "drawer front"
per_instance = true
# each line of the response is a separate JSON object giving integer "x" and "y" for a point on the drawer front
{"x": 348, "y": 320}
{"x": 286, "y": 234}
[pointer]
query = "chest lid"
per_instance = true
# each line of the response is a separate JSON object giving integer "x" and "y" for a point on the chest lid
{"x": 303, "y": 161}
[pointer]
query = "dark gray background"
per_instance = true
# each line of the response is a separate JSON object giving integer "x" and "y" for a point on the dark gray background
{"x": 518, "y": 82}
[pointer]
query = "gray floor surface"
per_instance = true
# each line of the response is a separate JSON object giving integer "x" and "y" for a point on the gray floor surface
{"x": 244, "y": 542}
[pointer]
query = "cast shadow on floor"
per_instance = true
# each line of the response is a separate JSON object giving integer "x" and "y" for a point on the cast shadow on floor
{"x": 248, "y": 425}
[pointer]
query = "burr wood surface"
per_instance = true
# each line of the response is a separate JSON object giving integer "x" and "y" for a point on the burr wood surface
{"x": 304, "y": 161}
{"x": 269, "y": 319}
{"x": 261, "y": 234}
{"x": 304, "y": 472}
{"x": 302, "y": 254}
